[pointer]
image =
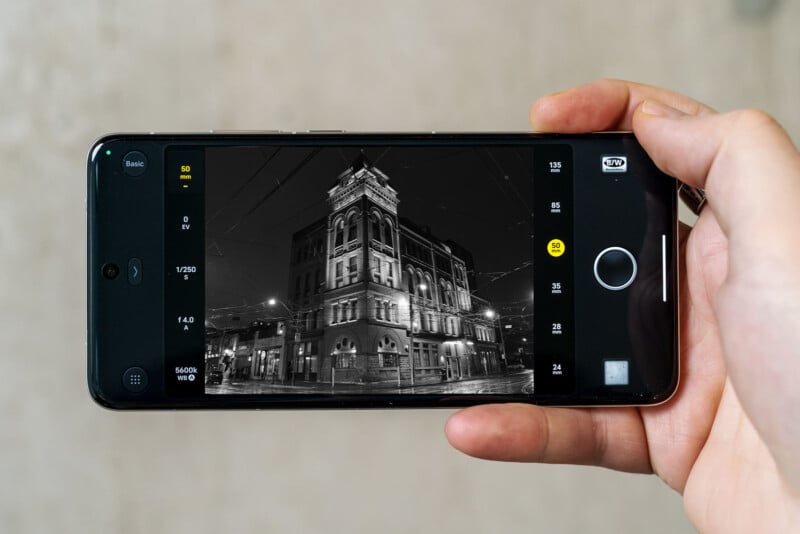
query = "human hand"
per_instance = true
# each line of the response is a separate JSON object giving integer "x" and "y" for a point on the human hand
{"x": 729, "y": 440}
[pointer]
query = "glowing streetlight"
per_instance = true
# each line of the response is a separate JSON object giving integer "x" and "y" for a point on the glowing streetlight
{"x": 293, "y": 322}
{"x": 492, "y": 316}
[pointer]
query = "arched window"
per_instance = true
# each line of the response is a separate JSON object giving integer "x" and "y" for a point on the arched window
{"x": 339, "y": 233}
{"x": 442, "y": 292}
{"x": 411, "y": 284}
{"x": 345, "y": 353}
{"x": 448, "y": 294}
{"x": 388, "y": 234}
{"x": 352, "y": 227}
{"x": 428, "y": 287}
{"x": 375, "y": 223}
{"x": 387, "y": 352}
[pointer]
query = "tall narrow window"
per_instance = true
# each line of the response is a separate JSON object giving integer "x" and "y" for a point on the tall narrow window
{"x": 352, "y": 227}
{"x": 389, "y": 274}
{"x": 386, "y": 311}
{"x": 339, "y": 273}
{"x": 388, "y": 235}
{"x": 353, "y": 314}
{"x": 307, "y": 284}
{"x": 376, "y": 269}
{"x": 345, "y": 305}
{"x": 339, "y": 237}
{"x": 376, "y": 227}
{"x": 317, "y": 281}
{"x": 378, "y": 309}
{"x": 352, "y": 268}
{"x": 335, "y": 314}
{"x": 297, "y": 287}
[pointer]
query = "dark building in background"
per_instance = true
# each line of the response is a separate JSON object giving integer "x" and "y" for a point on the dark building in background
{"x": 375, "y": 298}
{"x": 252, "y": 351}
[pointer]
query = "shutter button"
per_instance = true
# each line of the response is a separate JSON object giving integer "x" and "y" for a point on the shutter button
{"x": 615, "y": 268}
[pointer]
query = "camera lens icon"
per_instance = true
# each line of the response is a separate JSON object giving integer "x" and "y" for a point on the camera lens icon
{"x": 110, "y": 271}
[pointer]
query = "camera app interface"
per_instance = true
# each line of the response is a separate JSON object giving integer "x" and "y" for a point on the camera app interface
{"x": 369, "y": 269}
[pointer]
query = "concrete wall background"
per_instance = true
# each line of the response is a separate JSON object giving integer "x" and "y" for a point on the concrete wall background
{"x": 70, "y": 71}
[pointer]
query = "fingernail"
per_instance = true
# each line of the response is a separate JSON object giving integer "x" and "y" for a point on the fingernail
{"x": 658, "y": 109}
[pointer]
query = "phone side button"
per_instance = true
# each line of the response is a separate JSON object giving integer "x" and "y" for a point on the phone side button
{"x": 134, "y": 271}
{"x": 134, "y": 379}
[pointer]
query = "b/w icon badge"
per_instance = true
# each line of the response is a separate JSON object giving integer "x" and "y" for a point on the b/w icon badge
{"x": 615, "y": 164}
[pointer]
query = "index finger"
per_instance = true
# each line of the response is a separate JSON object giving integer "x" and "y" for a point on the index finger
{"x": 603, "y": 105}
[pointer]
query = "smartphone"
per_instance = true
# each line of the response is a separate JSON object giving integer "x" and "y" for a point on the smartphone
{"x": 332, "y": 269}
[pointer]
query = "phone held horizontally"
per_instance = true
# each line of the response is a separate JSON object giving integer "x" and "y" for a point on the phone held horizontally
{"x": 379, "y": 270}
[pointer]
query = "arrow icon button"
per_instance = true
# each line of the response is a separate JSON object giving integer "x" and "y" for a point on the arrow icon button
{"x": 134, "y": 271}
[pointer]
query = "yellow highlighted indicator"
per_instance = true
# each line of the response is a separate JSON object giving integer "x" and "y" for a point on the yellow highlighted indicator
{"x": 555, "y": 247}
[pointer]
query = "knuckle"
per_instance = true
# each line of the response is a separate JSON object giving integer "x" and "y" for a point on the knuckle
{"x": 754, "y": 119}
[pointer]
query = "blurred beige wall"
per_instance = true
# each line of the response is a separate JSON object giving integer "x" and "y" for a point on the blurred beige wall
{"x": 70, "y": 71}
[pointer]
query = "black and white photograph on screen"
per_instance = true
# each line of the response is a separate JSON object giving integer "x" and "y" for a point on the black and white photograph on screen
{"x": 369, "y": 270}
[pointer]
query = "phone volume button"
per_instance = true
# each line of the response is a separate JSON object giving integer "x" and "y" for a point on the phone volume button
{"x": 245, "y": 131}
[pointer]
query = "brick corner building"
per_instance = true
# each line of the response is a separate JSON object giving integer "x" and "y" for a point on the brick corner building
{"x": 368, "y": 288}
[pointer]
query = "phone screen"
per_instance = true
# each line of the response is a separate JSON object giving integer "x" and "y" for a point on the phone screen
{"x": 441, "y": 268}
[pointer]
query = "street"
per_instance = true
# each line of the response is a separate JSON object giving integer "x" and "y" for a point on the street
{"x": 520, "y": 382}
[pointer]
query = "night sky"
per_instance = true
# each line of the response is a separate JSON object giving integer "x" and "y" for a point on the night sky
{"x": 257, "y": 197}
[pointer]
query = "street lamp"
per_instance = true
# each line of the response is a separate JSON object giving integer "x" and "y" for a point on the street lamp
{"x": 492, "y": 315}
{"x": 272, "y": 302}
{"x": 421, "y": 287}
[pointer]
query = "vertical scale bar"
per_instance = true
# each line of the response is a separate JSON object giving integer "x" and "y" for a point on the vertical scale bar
{"x": 553, "y": 314}
{"x": 184, "y": 283}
